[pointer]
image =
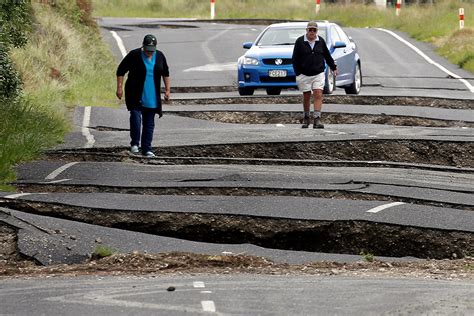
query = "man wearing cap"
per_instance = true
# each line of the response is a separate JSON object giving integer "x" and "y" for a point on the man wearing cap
{"x": 145, "y": 66}
{"x": 309, "y": 54}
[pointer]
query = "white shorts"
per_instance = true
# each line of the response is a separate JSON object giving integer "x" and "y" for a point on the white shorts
{"x": 309, "y": 83}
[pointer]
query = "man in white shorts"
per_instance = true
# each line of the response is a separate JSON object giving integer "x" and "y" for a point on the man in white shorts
{"x": 309, "y": 55}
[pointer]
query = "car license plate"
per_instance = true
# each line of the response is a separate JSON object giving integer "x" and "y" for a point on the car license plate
{"x": 277, "y": 73}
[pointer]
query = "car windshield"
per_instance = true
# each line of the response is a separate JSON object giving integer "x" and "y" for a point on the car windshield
{"x": 284, "y": 36}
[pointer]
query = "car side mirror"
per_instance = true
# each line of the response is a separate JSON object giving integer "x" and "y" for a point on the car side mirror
{"x": 247, "y": 45}
{"x": 339, "y": 44}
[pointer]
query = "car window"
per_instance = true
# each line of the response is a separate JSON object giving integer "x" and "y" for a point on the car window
{"x": 334, "y": 35}
{"x": 284, "y": 36}
{"x": 342, "y": 35}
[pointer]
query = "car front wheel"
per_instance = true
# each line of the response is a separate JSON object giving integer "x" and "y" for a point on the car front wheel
{"x": 246, "y": 91}
{"x": 354, "y": 88}
{"x": 330, "y": 83}
{"x": 273, "y": 91}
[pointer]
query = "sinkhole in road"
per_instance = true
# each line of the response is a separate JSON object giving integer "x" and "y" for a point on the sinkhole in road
{"x": 275, "y": 117}
{"x": 339, "y": 236}
{"x": 408, "y": 151}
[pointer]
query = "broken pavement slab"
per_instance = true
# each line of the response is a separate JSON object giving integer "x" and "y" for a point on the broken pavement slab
{"x": 49, "y": 240}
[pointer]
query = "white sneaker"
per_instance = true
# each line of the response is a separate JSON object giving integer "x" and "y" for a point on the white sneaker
{"x": 149, "y": 154}
{"x": 134, "y": 149}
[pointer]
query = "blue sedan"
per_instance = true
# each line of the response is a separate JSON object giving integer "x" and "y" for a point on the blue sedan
{"x": 267, "y": 64}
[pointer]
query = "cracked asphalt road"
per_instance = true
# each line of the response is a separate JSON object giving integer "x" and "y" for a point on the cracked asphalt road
{"x": 84, "y": 194}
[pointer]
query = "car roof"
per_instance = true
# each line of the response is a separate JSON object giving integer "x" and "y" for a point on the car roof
{"x": 322, "y": 24}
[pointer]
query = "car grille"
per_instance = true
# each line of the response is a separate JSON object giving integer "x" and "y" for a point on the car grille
{"x": 271, "y": 61}
{"x": 278, "y": 79}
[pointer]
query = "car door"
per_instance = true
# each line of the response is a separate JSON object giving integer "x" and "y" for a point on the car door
{"x": 343, "y": 56}
{"x": 348, "y": 59}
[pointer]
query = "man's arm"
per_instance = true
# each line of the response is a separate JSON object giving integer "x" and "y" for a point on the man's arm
{"x": 296, "y": 58}
{"x": 119, "y": 92}
{"x": 329, "y": 60}
{"x": 166, "y": 80}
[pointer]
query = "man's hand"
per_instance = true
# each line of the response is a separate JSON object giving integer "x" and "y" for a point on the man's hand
{"x": 335, "y": 72}
{"x": 167, "y": 95}
{"x": 119, "y": 92}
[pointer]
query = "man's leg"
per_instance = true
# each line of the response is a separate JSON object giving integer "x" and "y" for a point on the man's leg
{"x": 148, "y": 128}
{"x": 135, "y": 126}
{"x": 318, "y": 105}
{"x": 306, "y": 108}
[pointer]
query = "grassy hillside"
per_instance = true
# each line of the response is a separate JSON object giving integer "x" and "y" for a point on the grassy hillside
{"x": 437, "y": 24}
{"x": 63, "y": 64}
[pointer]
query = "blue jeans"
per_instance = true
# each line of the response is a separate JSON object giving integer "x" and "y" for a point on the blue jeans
{"x": 142, "y": 122}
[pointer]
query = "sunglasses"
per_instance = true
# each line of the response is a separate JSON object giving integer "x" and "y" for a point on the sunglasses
{"x": 312, "y": 30}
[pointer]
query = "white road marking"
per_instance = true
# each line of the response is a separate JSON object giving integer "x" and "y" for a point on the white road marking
{"x": 14, "y": 196}
{"x": 206, "y": 292}
{"x": 208, "y": 306}
{"x": 428, "y": 59}
{"x": 214, "y": 67}
{"x": 56, "y": 181}
{"x": 85, "y": 128}
{"x": 383, "y": 207}
{"x": 280, "y": 125}
{"x": 208, "y": 52}
{"x": 199, "y": 284}
{"x": 58, "y": 171}
{"x": 120, "y": 45}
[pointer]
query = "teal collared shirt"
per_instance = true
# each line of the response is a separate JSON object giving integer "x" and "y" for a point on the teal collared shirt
{"x": 149, "y": 91}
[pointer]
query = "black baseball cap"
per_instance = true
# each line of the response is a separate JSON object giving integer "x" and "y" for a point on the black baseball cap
{"x": 149, "y": 43}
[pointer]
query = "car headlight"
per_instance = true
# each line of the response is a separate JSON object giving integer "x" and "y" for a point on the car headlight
{"x": 248, "y": 61}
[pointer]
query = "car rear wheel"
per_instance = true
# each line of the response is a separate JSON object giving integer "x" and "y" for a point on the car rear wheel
{"x": 246, "y": 91}
{"x": 354, "y": 88}
{"x": 273, "y": 91}
{"x": 330, "y": 83}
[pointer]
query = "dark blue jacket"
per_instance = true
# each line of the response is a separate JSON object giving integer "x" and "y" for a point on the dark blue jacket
{"x": 133, "y": 64}
{"x": 310, "y": 62}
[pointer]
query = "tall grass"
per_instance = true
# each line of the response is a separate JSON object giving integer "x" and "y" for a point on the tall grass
{"x": 26, "y": 127}
{"x": 437, "y": 24}
{"x": 65, "y": 66}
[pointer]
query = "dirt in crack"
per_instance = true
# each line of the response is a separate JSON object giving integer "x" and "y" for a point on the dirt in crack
{"x": 412, "y": 151}
{"x": 432, "y": 152}
{"x": 329, "y": 118}
{"x": 342, "y": 236}
{"x": 8, "y": 243}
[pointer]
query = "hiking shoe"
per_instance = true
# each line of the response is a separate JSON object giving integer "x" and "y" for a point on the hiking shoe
{"x": 149, "y": 154}
{"x": 317, "y": 123}
{"x": 305, "y": 122}
{"x": 134, "y": 149}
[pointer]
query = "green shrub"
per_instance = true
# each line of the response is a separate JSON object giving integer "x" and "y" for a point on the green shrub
{"x": 102, "y": 252}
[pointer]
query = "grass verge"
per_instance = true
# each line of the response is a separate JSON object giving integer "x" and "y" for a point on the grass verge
{"x": 65, "y": 64}
{"x": 25, "y": 128}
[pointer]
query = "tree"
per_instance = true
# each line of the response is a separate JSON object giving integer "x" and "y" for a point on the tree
{"x": 15, "y": 25}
